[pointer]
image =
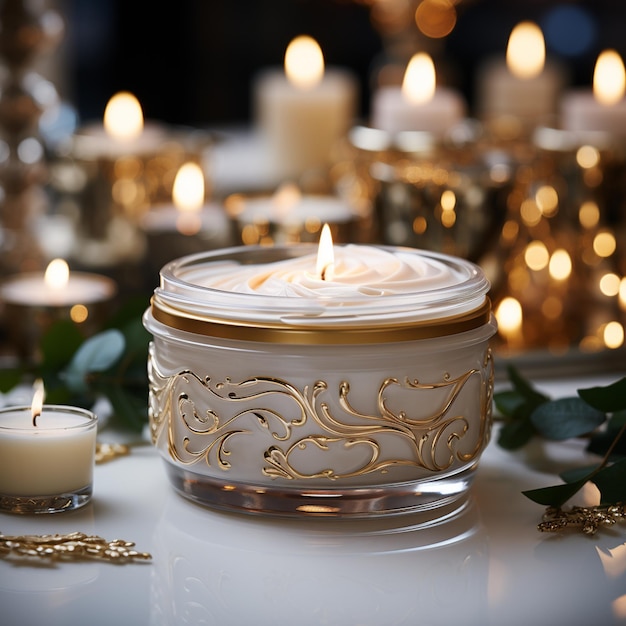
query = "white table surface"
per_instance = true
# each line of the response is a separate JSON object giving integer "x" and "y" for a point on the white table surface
{"x": 491, "y": 566}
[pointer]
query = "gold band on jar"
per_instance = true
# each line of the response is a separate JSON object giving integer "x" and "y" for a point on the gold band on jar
{"x": 322, "y": 334}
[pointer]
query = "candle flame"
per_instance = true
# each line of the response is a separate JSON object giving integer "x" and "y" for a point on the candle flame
{"x": 325, "y": 255}
{"x": 304, "y": 62}
{"x": 57, "y": 274}
{"x": 286, "y": 198}
{"x": 418, "y": 85}
{"x": 188, "y": 196}
{"x": 123, "y": 117}
{"x": 526, "y": 51}
{"x": 609, "y": 78}
{"x": 37, "y": 403}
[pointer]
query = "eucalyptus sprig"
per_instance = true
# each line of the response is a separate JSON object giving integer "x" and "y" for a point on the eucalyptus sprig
{"x": 597, "y": 413}
{"x": 110, "y": 364}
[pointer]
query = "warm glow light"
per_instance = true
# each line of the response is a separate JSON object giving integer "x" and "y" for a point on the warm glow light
{"x": 188, "y": 189}
{"x": 613, "y": 335}
{"x": 547, "y": 200}
{"x": 304, "y": 62}
{"x": 526, "y": 51}
{"x": 560, "y": 266}
{"x": 57, "y": 274}
{"x": 37, "y": 403}
{"x": 587, "y": 157}
{"x": 509, "y": 316}
{"x": 604, "y": 244}
{"x": 536, "y": 255}
{"x": 286, "y": 198}
{"x": 622, "y": 293}
{"x": 610, "y": 284}
{"x": 325, "y": 255}
{"x": 123, "y": 118}
{"x": 609, "y": 78}
{"x": 589, "y": 214}
{"x": 418, "y": 85}
{"x": 435, "y": 18}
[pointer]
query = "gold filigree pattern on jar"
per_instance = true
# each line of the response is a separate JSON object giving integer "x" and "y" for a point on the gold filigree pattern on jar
{"x": 331, "y": 399}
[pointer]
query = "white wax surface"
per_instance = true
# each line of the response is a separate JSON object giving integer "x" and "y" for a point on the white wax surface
{"x": 393, "y": 113}
{"x": 82, "y": 288}
{"x": 580, "y": 111}
{"x": 301, "y": 126}
{"x": 54, "y": 457}
{"x": 93, "y": 142}
{"x": 358, "y": 270}
{"x": 164, "y": 219}
{"x": 325, "y": 208}
{"x": 534, "y": 100}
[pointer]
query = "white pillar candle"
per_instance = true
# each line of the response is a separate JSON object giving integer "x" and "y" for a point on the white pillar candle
{"x": 54, "y": 458}
{"x": 56, "y": 287}
{"x": 286, "y": 381}
{"x": 524, "y": 86}
{"x": 418, "y": 105}
{"x": 604, "y": 108}
{"x": 122, "y": 133}
{"x": 301, "y": 114}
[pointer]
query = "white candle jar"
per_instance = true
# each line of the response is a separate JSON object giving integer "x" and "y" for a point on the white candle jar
{"x": 368, "y": 403}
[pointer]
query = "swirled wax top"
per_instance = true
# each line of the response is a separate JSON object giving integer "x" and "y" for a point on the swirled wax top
{"x": 367, "y": 283}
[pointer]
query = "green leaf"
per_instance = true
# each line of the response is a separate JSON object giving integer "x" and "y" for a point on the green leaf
{"x": 556, "y": 495}
{"x": 611, "y": 481}
{"x": 59, "y": 344}
{"x": 525, "y": 389}
{"x": 565, "y": 418}
{"x": 609, "y": 399}
{"x": 577, "y": 473}
{"x": 508, "y": 402}
{"x": 9, "y": 378}
{"x": 97, "y": 354}
{"x": 515, "y": 433}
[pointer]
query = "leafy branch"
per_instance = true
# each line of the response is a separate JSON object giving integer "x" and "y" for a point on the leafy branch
{"x": 111, "y": 364}
{"x": 597, "y": 413}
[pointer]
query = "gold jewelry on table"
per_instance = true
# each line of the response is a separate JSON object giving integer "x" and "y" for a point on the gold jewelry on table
{"x": 106, "y": 452}
{"x": 588, "y": 519}
{"x": 74, "y": 546}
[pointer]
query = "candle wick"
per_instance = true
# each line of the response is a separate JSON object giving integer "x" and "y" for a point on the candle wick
{"x": 35, "y": 416}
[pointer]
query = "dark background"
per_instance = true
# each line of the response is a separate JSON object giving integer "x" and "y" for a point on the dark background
{"x": 192, "y": 61}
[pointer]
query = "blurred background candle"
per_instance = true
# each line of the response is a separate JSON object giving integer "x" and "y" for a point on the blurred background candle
{"x": 188, "y": 224}
{"x": 419, "y": 104}
{"x": 524, "y": 88}
{"x": 303, "y": 111}
{"x": 46, "y": 457}
{"x": 604, "y": 108}
{"x": 289, "y": 216}
{"x": 34, "y": 300}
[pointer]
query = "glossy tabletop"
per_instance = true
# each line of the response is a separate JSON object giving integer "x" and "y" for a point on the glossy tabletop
{"x": 486, "y": 565}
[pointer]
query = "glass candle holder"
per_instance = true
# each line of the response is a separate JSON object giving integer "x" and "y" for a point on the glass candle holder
{"x": 446, "y": 195}
{"x": 48, "y": 467}
{"x": 334, "y": 401}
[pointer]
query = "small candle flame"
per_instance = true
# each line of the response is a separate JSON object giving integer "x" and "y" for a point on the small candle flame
{"x": 285, "y": 199}
{"x": 123, "y": 117}
{"x": 418, "y": 85}
{"x": 609, "y": 78}
{"x": 188, "y": 196}
{"x": 37, "y": 403}
{"x": 304, "y": 62}
{"x": 57, "y": 274}
{"x": 325, "y": 255}
{"x": 526, "y": 51}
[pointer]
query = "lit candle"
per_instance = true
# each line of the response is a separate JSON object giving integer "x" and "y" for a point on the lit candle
{"x": 34, "y": 300}
{"x": 525, "y": 87}
{"x": 345, "y": 380}
{"x": 604, "y": 108}
{"x": 46, "y": 457}
{"x": 189, "y": 214}
{"x": 288, "y": 216}
{"x": 419, "y": 105}
{"x": 122, "y": 133}
{"x": 303, "y": 111}
{"x": 57, "y": 287}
